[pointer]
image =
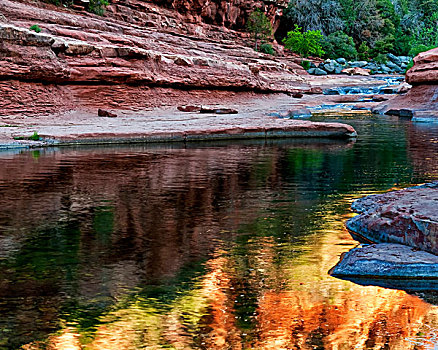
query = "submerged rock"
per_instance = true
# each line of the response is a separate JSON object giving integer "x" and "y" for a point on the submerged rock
{"x": 409, "y": 217}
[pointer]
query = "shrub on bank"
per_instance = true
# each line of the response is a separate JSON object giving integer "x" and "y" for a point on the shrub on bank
{"x": 304, "y": 43}
{"x": 98, "y": 6}
{"x": 259, "y": 27}
{"x": 36, "y": 28}
{"x": 339, "y": 44}
{"x": 267, "y": 48}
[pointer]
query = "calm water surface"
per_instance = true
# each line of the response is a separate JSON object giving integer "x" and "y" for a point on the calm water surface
{"x": 209, "y": 246}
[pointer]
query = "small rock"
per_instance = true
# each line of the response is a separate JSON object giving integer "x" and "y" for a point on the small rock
{"x": 338, "y": 70}
{"x": 315, "y": 90}
{"x": 189, "y": 108}
{"x": 332, "y": 91}
{"x": 300, "y": 113}
{"x": 297, "y": 95}
{"x": 104, "y": 113}
{"x": 395, "y": 112}
{"x": 387, "y": 90}
{"x": 329, "y": 67}
{"x": 342, "y": 61}
{"x": 402, "y": 88}
{"x": 406, "y": 113}
{"x": 218, "y": 110}
{"x": 356, "y": 71}
{"x": 379, "y": 98}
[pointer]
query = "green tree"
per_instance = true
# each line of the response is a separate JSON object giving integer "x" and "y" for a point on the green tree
{"x": 339, "y": 44}
{"x": 322, "y": 15}
{"x": 305, "y": 44}
{"x": 259, "y": 26}
{"x": 98, "y": 6}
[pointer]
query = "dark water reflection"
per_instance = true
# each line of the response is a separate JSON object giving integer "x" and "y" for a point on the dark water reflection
{"x": 221, "y": 246}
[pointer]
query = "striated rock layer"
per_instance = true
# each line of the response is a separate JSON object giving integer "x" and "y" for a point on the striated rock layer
{"x": 409, "y": 217}
{"x": 140, "y": 60}
{"x": 74, "y": 48}
{"x": 421, "y": 101}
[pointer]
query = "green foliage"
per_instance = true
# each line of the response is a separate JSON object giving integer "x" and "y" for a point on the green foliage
{"x": 305, "y": 64}
{"x": 339, "y": 44}
{"x": 380, "y": 58}
{"x": 382, "y": 46}
{"x": 410, "y": 65}
{"x": 305, "y": 44}
{"x": 322, "y": 15}
{"x": 98, "y": 6}
{"x": 259, "y": 27}
{"x": 34, "y": 137}
{"x": 363, "y": 52}
{"x": 381, "y": 26}
{"x": 35, "y": 28}
{"x": 415, "y": 50}
{"x": 267, "y": 48}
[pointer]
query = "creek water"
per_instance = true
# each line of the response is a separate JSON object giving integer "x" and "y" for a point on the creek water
{"x": 205, "y": 246}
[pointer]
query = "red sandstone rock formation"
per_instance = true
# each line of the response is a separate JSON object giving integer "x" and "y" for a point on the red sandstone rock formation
{"x": 423, "y": 97}
{"x": 136, "y": 43}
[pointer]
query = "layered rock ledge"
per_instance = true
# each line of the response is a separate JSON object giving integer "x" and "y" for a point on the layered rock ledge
{"x": 387, "y": 260}
{"x": 408, "y": 217}
{"x": 74, "y": 48}
{"x": 421, "y": 102}
{"x": 389, "y": 265}
{"x": 168, "y": 124}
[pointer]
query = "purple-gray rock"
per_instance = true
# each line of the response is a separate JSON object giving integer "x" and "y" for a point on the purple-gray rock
{"x": 408, "y": 216}
{"x": 387, "y": 260}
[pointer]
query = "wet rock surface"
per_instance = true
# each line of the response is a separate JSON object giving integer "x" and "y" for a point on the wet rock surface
{"x": 387, "y": 260}
{"x": 408, "y": 216}
{"x": 422, "y": 99}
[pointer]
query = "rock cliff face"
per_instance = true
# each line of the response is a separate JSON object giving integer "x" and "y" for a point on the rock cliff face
{"x": 425, "y": 69}
{"x": 136, "y": 43}
{"x": 422, "y": 100}
{"x": 231, "y": 14}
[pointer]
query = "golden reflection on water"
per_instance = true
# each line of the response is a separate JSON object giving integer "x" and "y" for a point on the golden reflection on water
{"x": 144, "y": 216}
{"x": 299, "y": 306}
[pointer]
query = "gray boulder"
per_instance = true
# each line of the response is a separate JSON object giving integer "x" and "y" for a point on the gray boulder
{"x": 387, "y": 260}
{"x": 385, "y": 69}
{"x": 405, "y": 59}
{"x": 359, "y": 64}
{"x": 319, "y": 71}
{"x": 394, "y": 59}
{"x": 342, "y": 61}
{"x": 338, "y": 69}
{"x": 329, "y": 67}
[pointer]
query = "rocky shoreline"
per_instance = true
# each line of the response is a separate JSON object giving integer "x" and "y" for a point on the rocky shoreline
{"x": 404, "y": 224}
{"x": 394, "y": 65}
